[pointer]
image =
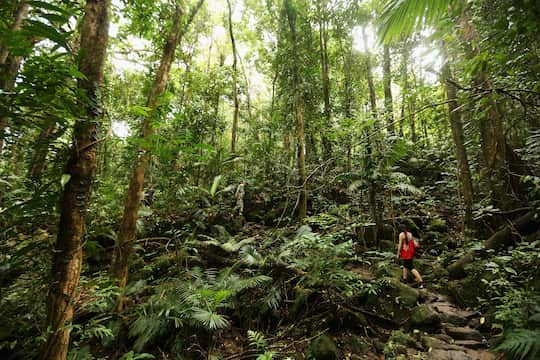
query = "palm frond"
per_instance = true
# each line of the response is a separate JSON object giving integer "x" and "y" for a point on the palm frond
{"x": 400, "y": 18}
{"x": 210, "y": 320}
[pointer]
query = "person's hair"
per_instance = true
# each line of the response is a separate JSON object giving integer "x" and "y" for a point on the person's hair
{"x": 403, "y": 229}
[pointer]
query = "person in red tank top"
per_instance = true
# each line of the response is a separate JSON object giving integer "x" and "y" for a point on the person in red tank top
{"x": 406, "y": 248}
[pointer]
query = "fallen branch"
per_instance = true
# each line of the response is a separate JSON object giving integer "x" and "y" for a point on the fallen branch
{"x": 511, "y": 234}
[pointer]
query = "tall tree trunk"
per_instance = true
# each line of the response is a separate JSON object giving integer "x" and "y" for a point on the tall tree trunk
{"x": 464, "y": 173}
{"x": 412, "y": 108}
{"x": 9, "y": 65}
{"x": 323, "y": 40}
{"x": 234, "y": 132}
{"x": 387, "y": 79}
{"x": 127, "y": 232}
{"x": 67, "y": 256}
{"x": 19, "y": 17}
{"x": 302, "y": 203}
{"x": 8, "y": 74}
{"x": 216, "y": 105}
{"x": 374, "y": 205}
{"x": 347, "y": 98}
{"x": 404, "y": 84}
{"x": 499, "y": 157}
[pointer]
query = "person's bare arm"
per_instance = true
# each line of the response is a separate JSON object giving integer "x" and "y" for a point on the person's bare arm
{"x": 400, "y": 245}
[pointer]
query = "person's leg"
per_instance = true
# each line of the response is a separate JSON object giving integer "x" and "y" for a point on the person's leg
{"x": 417, "y": 275}
{"x": 405, "y": 273}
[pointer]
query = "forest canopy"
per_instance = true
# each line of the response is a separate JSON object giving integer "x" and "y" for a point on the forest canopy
{"x": 275, "y": 179}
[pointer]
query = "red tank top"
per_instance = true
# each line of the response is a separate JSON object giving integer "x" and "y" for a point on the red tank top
{"x": 407, "y": 250}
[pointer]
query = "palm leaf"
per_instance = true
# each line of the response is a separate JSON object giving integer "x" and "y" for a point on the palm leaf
{"x": 210, "y": 320}
{"x": 400, "y": 18}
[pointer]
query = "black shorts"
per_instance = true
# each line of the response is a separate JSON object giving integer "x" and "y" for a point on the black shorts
{"x": 408, "y": 264}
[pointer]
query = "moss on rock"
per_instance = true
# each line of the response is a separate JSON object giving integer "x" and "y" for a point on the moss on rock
{"x": 323, "y": 348}
{"x": 425, "y": 316}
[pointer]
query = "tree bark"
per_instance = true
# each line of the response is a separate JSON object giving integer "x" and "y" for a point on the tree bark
{"x": 127, "y": 232}
{"x": 19, "y": 17}
{"x": 404, "y": 84}
{"x": 302, "y": 202}
{"x": 464, "y": 173}
{"x": 387, "y": 79}
{"x": 323, "y": 40}
{"x": 497, "y": 153}
{"x": 412, "y": 108}
{"x": 234, "y": 130}
{"x": 67, "y": 256}
{"x": 9, "y": 65}
{"x": 374, "y": 205}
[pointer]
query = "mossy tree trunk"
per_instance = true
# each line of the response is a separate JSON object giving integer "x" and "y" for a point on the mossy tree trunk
{"x": 67, "y": 256}
{"x": 302, "y": 178}
{"x": 234, "y": 131}
{"x": 388, "y": 103}
{"x": 9, "y": 65}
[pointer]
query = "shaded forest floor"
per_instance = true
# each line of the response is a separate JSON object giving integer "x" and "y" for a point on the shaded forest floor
{"x": 206, "y": 284}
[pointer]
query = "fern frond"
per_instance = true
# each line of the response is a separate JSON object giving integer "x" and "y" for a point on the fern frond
{"x": 256, "y": 339}
{"x": 522, "y": 344}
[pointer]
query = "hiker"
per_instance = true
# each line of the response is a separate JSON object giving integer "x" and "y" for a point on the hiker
{"x": 149, "y": 195}
{"x": 239, "y": 195}
{"x": 406, "y": 248}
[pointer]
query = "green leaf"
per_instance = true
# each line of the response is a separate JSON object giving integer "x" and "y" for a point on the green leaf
{"x": 40, "y": 29}
{"x": 64, "y": 180}
{"x": 215, "y": 185}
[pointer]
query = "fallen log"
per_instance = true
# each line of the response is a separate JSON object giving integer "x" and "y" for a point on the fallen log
{"x": 508, "y": 236}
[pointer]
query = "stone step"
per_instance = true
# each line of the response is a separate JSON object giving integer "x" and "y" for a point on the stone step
{"x": 471, "y": 344}
{"x": 462, "y": 333}
{"x": 439, "y": 354}
{"x": 451, "y": 314}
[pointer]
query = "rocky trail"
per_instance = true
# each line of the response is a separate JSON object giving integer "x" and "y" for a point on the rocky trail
{"x": 456, "y": 334}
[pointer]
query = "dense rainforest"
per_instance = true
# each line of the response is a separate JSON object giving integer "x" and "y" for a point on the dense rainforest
{"x": 269, "y": 179}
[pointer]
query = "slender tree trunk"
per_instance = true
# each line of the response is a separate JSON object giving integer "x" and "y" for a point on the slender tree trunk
{"x": 374, "y": 205}
{"x": 235, "y": 83}
{"x": 19, "y": 18}
{"x": 412, "y": 109}
{"x": 387, "y": 79}
{"x": 302, "y": 203}
{"x": 464, "y": 173}
{"x": 9, "y": 65}
{"x": 7, "y": 82}
{"x": 323, "y": 39}
{"x": 216, "y": 105}
{"x": 67, "y": 256}
{"x": 404, "y": 84}
{"x": 127, "y": 232}
{"x": 347, "y": 99}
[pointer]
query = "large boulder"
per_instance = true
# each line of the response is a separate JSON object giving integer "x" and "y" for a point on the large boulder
{"x": 402, "y": 293}
{"x": 424, "y": 316}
